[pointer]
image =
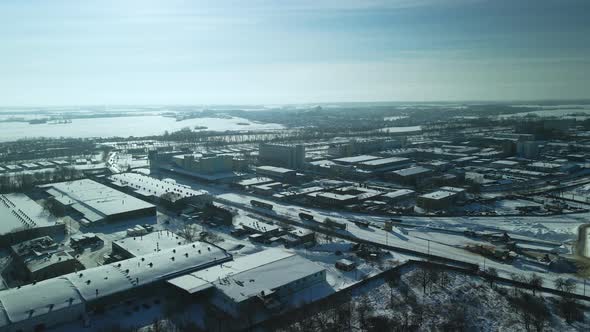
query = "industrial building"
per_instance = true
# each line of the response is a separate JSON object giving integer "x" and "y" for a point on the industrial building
{"x": 437, "y": 200}
{"x": 130, "y": 247}
{"x": 411, "y": 175}
{"x": 175, "y": 195}
{"x": 282, "y": 155}
{"x": 527, "y": 149}
{"x": 69, "y": 298}
{"x": 205, "y": 164}
{"x": 42, "y": 258}
{"x": 95, "y": 202}
{"x": 23, "y": 219}
{"x": 267, "y": 280}
{"x": 398, "y": 195}
{"x": 355, "y": 159}
{"x": 277, "y": 173}
{"x": 385, "y": 164}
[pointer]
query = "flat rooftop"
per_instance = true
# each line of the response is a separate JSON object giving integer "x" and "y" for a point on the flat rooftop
{"x": 94, "y": 200}
{"x": 439, "y": 194}
{"x": 147, "y": 186}
{"x": 356, "y": 159}
{"x": 247, "y": 276}
{"x": 399, "y": 193}
{"x": 18, "y": 211}
{"x": 385, "y": 161}
{"x": 150, "y": 243}
{"x": 412, "y": 171}
{"x": 274, "y": 169}
{"x": 255, "y": 181}
{"x": 335, "y": 196}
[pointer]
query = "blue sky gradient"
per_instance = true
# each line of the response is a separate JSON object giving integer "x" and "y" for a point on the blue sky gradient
{"x": 274, "y": 52}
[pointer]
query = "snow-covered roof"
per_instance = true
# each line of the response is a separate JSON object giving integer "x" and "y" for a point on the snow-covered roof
{"x": 439, "y": 194}
{"x": 17, "y": 211}
{"x": 274, "y": 169}
{"x": 148, "y": 186}
{"x": 120, "y": 276}
{"x": 399, "y": 193}
{"x": 19, "y": 304}
{"x": 247, "y": 276}
{"x": 149, "y": 243}
{"x": 411, "y": 171}
{"x": 385, "y": 161}
{"x": 335, "y": 196}
{"x": 355, "y": 159}
{"x": 94, "y": 200}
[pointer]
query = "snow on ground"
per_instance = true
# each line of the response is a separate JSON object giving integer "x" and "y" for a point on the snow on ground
{"x": 486, "y": 308}
{"x": 560, "y": 227}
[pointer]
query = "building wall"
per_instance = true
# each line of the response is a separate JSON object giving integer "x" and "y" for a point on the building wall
{"x": 435, "y": 204}
{"x": 290, "y": 156}
{"x": 52, "y": 319}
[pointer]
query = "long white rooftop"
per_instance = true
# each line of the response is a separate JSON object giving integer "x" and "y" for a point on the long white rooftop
{"x": 94, "y": 200}
{"x": 17, "y": 211}
{"x": 247, "y": 276}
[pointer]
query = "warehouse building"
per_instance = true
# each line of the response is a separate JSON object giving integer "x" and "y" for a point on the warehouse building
{"x": 411, "y": 175}
{"x": 69, "y": 298}
{"x": 385, "y": 164}
{"x": 398, "y": 195}
{"x": 355, "y": 159}
{"x": 277, "y": 173}
{"x": 172, "y": 194}
{"x": 264, "y": 281}
{"x": 95, "y": 202}
{"x": 205, "y": 164}
{"x": 130, "y": 247}
{"x": 41, "y": 258}
{"x": 23, "y": 219}
{"x": 437, "y": 200}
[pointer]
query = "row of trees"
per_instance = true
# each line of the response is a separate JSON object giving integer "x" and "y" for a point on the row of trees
{"x": 27, "y": 180}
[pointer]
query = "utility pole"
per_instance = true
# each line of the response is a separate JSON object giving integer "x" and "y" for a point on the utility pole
{"x": 428, "y": 247}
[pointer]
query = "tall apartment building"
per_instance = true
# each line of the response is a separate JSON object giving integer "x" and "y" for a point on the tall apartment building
{"x": 282, "y": 155}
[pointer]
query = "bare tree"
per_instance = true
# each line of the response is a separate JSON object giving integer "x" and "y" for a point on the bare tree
{"x": 536, "y": 282}
{"x": 491, "y": 274}
{"x": 189, "y": 232}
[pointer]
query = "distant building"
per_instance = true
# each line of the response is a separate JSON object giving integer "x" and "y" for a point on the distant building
{"x": 411, "y": 175}
{"x": 277, "y": 173}
{"x": 334, "y": 199}
{"x": 398, "y": 195}
{"x": 385, "y": 164}
{"x": 527, "y": 149}
{"x": 437, "y": 200}
{"x": 282, "y": 155}
{"x": 205, "y": 164}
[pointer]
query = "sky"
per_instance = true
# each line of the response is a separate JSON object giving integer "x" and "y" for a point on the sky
{"x": 280, "y": 51}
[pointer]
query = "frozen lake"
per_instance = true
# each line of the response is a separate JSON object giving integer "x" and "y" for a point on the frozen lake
{"x": 123, "y": 127}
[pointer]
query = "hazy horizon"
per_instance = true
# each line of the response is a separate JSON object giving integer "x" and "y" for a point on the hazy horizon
{"x": 67, "y": 53}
